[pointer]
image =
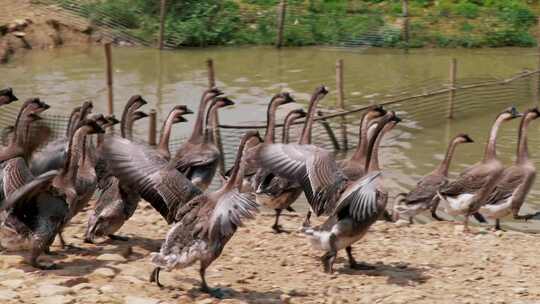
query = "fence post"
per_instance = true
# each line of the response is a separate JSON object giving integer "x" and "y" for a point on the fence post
{"x": 536, "y": 77}
{"x": 108, "y": 56}
{"x": 405, "y": 29}
{"x": 281, "y": 23}
{"x": 452, "y": 93}
{"x": 215, "y": 118}
{"x": 161, "y": 23}
{"x": 152, "y": 130}
{"x": 341, "y": 102}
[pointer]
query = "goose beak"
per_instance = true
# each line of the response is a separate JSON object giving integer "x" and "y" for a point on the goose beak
{"x": 188, "y": 111}
{"x": 226, "y": 101}
{"x": 536, "y": 111}
{"x": 468, "y": 139}
{"x": 515, "y": 113}
{"x": 288, "y": 98}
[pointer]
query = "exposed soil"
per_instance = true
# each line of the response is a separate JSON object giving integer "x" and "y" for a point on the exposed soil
{"x": 431, "y": 263}
{"x": 25, "y": 26}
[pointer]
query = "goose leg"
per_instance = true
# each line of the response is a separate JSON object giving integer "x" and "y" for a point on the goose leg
{"x": 497, "y": 226}
{"x": 36, "y": 252}
{"x": 434, "y": 205}
{"x": 329, "y": 257}
{"x": 355, "y": 265}
{"x": 118, "y": 238}
{"x": 277, "y": 227}
{"x": 65, "y": 245}
{"x": 215, "y": 292}
{"x": 154, "y": 276}
{"x": 307, "y": 220}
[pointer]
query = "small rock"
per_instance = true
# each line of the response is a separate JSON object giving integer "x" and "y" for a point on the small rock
{"x": 74, "y": 281}
{"x": 111, "y": 257}
{"x": 57, "y": 300}
{"x": 12, "y": 284}
{"x": 285, "y": 298}
{"x": 499, "y": 233}
{"x": 137, "y": 300}
{"x": 48, "y": 290}
{"x": 104, "y": 272}
{"x": 83, "y": 286}
{"x": 6, "y": 295}
{"x": 401, "y": 223}
{"x": 107, "y": 289}
{"x": 521, "y": 291}
{"x": 184, "y": 299}
{"x": 459, "y": 229}
{"x": 126, "y": 251}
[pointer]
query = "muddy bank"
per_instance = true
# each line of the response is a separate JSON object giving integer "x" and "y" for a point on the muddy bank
{"x": 432, "y": 263}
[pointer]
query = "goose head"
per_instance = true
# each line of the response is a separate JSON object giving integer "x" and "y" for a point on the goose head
{"x": 92, "y": 126}
{"x": 375, "y": 111}
{"x": 282, "y": 98}
{"x": 7, "y": 96}
{"x": 111, "y": 121}
{"x": 178, "y": 112}
{"x": 297, "y": 114}
{"x": 139, "y": 115}
{"x": 510, "y": 113}
{"x": 135, "y": 102}
{"x": 464, "y": 138}
{"x": 533, "y": 113}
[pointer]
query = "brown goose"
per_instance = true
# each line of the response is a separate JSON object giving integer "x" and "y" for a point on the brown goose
{"x": 353, "y": 206}
{"x": 515, "y": 182}
{"x": 205, "y": 224}
{"x": 354, "y": 166}
{"x": 128, "y": 116}
{"x": 276, "y": 192}
{"x": 144, "y": 171}
{"x": 424, "y": 196}
{"x": 34, "y": 213}
{"x": 7, "y": 97}
{"x": 116, "y": 203}
{"x": 53, "y": 155}
{"x": 472, "y": 188}
{"x": 198, "y": 157}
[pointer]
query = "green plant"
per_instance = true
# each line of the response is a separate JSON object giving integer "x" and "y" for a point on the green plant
{"x": 466, "y": 9}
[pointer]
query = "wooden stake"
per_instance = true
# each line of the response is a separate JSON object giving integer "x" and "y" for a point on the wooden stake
{"x": 211, "y": 74}
{"x": 405, "y": 29}
{"x": 452, "y": 92}
{"x": 152, "y": 129}
{"x": 161, "y": 23}
{"x": 341, "y": 102}
{"x": 281, "y": 23}
{"x": 108, "y": 56}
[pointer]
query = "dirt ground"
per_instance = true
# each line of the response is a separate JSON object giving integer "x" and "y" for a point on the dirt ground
{"x": 431, "y": 263}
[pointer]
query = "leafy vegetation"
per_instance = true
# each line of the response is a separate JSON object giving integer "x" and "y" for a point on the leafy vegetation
{"x": 440, "y": 23}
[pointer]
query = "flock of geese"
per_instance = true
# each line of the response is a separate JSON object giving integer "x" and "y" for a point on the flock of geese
{"x": 44, "y": 185}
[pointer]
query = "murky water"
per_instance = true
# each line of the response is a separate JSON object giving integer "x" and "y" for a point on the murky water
{"x": 65, "y": 77}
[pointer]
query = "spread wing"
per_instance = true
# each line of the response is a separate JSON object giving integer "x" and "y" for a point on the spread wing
{"x": 29, "y": 190}
{"x": 312, "y": 167}
{"x": 16, "y": 174}
{"x": 148, "y": 173}
{"x": 52, "y": 157}
{"x": 360, "y": 199}
{"x": 231, "y": 209}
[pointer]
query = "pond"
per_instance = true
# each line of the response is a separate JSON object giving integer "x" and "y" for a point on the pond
{"x": 251, "y": 75}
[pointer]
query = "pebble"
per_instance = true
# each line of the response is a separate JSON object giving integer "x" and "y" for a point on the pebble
{"x": 285, "y": 298}
{"x": 6, "y": 295}
{"x": 520, "y": 291}
{"x": 104, "y": 272}
{"x": 12, "y": 284}
{"x": 83, "y": 286}
{"x": 111, "y": 257}
{"x": 57, "y": 300}
{"x": 137, "y": 300}
{"x": 48, "y": 290}
{"x": 107, "y": 289}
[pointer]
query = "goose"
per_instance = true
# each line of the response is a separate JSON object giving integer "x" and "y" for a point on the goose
{"x": 424, "y": 195}
{"x": 198, "y": 158}
{"x": 129, "y": 115}
{"x": 354, "y": 166}
{"x": 7, "y": 96}
{"x": 35, "y": 208}
{"x": 206, "y": 224}
{"x": 352, "y": 205}
{"x": 275, "y": 192}
{"x": 116, "y": 203}
{"x": 53, "y": 155}
{"x": 157, "y": 180}
{"x": 515, "y": 182}
{"x": 471, "y": 189}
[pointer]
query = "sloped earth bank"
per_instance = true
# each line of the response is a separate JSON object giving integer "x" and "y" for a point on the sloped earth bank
{"x": 25, "y": 26}
{"x": 432, "y": 263}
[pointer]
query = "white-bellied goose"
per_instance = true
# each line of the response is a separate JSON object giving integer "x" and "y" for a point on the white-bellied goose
{"x": 157, "y": 181}
{"x": 7, "y": 96}
{"x": 205, "y": 225}
{"x": 353, "y": 167}
{"x": 117, "y": 203}
{"x": 352, "y": 205}
{"x": 424, "y": 195}
{"x": 198, "y": 157}
{"x": 515, "y": 182}
{"x": 276, "y": 192}
{"x": 466, "y": 194}
{"x": 33, "y": 214}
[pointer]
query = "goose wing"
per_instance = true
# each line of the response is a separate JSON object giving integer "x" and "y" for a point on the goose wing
{"x": 314, "y": 168}
{"x": 51, "y": 157}
{"x": 229, "y": 213}
{"x": 149, "y": 174}
{"x": 469, "y": 181}
{"x": 16, "y": 174}
{"x": 511, "y": 180}
{"x": 28, "y": 190}
{"x": 425, "y": 189}
{"x": 360, "y": 199}
{"x": 194, "y": 156}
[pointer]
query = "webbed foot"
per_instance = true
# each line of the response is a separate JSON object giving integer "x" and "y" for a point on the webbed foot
{"x": 278, "y": 229}
{"x": 118, "y": 238}
{"x": 52, "y": 266}
{"x": 154, "y": 277}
